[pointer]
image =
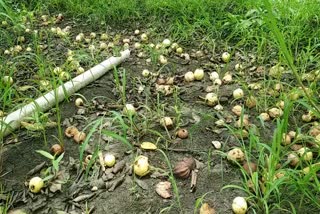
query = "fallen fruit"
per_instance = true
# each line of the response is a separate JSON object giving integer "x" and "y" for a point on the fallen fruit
{"x": 57, "y": 149}
{"x": 198, "y": 74}
{"x": 276, "y": 71}
{"x": 71, "y": 131}
{"x": 225, "y": 57}
{"x": 166, "y": 43}
{"x": 239, "y": 205}
{"x": 227, "y": 78}
{"x": 179, "y": 50}
{"x": 238, "y": 67}
{"x": 275, "y": 112}
{"x": 36, "y": 184}
{"x": 87, "y": 160}
{"x": 182, "y": 133}
{"x": 264, "y": 116}
{"x": 163, "y": 60}
{"x": 141, "y": 166}
{"x": 64, "y": 76}
{"x": 293, "y": 159}
{"x": 251, "y": 102}
{"x": 216, "y": 144}
{"x": 286, "y": 139}
{"x": 7, "y": 80}
{"x": 164, "y": 189}
{"x": 79, "y": 137}
{"x": 249, "y": 167}
{"x": 214, "y": 75}
{"x": 211, "y": 99}
{"x": 166, "y": 122}
{"x": 189, "y": 76}
{"x": 109, "y": 160}
{"x": 236, "y": 155}
{"x": 144, "y": 37}
{"x": 129, "y": 109}
{"x": 57, "y": 70}
{"x": 148, "y": 146}
{"x": 206, "y": 209}
{"x": 237, "y": 110}
{"x": 183, "y": 168}
{"x": 145, "y": 73}
{"x": 79, "y": 102}
{"x": 238, "y": 93}
{"x": 305, "y": 154}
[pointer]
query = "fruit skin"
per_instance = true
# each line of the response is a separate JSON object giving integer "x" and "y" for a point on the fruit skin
{"x": 36, "y": 184}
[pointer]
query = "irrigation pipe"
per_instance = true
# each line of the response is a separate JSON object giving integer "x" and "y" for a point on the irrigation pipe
{"x": 47, "y": 101}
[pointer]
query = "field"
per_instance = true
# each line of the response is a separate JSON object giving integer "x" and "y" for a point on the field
{"x": 215, "y": 110}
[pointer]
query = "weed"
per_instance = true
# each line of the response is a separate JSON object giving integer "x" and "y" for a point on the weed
{"x": 172, "y": 180}
{"x": 53, "y": 170}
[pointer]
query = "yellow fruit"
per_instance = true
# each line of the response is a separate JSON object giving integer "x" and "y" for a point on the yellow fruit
{"x": 36, "y": 184}
{"x": 141, "y": 166}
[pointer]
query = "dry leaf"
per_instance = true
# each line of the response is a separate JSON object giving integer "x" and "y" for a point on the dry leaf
{"x": 164, "y": 189}
{"x": 55, "y": 187}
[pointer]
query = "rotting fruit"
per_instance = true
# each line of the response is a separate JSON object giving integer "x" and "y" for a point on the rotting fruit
{"x": 182, "y": 133}
{"x": 166, "y": 122}
{"x": 183, "y": 168}
{"x": 57, "y": 149}
{"x": 79, "y": 137}
{"x": 235, "y": 154}
{"x": 71, "y": 131}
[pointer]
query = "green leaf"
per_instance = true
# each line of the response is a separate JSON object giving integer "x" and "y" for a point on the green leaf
{"x": 45, "y": 154}
{"x": 55, "y": 165}
{"x": 85, "y": 143}
{"x": 48, "y": 177}
{"x": 117, "y": 137}
{"x": 60, "y": 158}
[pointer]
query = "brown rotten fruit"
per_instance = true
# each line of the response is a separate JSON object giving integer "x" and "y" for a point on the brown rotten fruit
{"x": 57, "y": 149}
{"x": 71, "y": 131}
{"x": 79, "y": 137}
{"x": 183, "y": 168}
{"x": 249, "y": 167}
{"x": 182, "y": 133}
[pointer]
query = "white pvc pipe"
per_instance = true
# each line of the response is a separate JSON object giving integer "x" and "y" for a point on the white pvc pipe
{"x": 47, "y": 101}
